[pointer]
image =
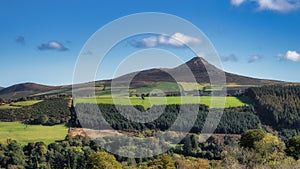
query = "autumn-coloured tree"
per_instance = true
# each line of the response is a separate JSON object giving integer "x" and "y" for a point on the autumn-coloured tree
{"x": 293, "y": 147}
{"x": 163, "y": 162}
{"x": 103, "y": 160}
{"x": 271, "y": 149}
{"x": 251, "y": 136}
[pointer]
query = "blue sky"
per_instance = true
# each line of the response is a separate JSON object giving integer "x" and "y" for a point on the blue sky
{"x": 40, "y": 40}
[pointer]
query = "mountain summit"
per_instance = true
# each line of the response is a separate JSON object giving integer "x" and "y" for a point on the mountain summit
{"x": 199, "y": 67}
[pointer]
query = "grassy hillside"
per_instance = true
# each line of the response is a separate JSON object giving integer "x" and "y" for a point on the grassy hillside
{"x": 31, "y": 133}
{"x": 23, "y": 90}
{"x": 188, "y": 86}
{"x": 144, "y": 81}
{"x": 15, "y": 105}
{"x": 164, "y": 86}
{"x": 26, "y": 103}
{"x": 230, "y": 101}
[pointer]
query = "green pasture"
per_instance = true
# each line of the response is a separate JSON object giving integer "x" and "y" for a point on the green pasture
{"x": 166, "y": 87}
{"x": 8, "y": 106}
{"x": 26, "y": 103}
{"x": 188, "y": 86}
{"x": 149, "y": 101}
{"x": 31, "y": 133}
{"x": 15, "y": 105}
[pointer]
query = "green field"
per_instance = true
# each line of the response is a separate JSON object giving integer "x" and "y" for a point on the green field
{"x": 15, "y": 105}
{"x": 148, "y": 102}
{"x": 26, "y": 103}
{"x": 31, "y": 133}
{"x": 166, "y": 87}
{"x": 175, "y": 87}
{"x": 187, "y": 86}
{"x": 8, "y": 106}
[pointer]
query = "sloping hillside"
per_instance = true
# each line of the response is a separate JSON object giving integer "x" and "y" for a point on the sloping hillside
{"x": 199, "y": 67}
{"x": 23, "y": 90}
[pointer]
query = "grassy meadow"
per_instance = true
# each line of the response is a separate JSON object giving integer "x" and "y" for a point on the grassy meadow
{"x": 26, "y": 103}
{"x": 105, "y": 97}
{"x": 149, "y": 101}
{"x": 31, "y": 133}
{"x": 15, "y": 105}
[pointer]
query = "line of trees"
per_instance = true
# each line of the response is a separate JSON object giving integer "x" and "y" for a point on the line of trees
{"x": 105, "y": 116}
{"x": 255, "y": 149}
{"x": 80, "y": 152}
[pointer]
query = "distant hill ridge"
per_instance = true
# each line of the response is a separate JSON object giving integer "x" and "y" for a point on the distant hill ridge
{"x": 23, "y": 90}
{"x": 197, "y": 65}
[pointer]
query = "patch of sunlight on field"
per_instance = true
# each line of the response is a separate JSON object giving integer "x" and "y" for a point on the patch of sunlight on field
{"x": 20, "y": 104}
{"x": 32, "y": 133}
{"x": 230, "y": 101}
{"x": 8, "y": 106}
{"x": 188, "y": 86}
{"x": 26, "y": 103}
{"x": 166, "y": 87}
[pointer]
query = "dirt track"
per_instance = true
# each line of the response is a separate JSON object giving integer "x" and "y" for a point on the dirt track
{"x": 109, "y": 133}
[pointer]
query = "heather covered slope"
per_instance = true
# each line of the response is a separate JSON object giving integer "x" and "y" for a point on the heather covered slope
{"x": 199, "y": 67}
{"x": 23, "y": 90}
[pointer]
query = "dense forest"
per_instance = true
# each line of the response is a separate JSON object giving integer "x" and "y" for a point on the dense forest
{"x": 48, "y": 112}
{"x": 104, "y": 116}
{"x": 255, "y": 149}
{"x": 278, "y": 107}
{"x": 80, "y": 152}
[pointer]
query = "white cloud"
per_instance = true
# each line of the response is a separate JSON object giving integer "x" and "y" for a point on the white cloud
{"x": 231, "y": 57}
{"x": 183, "y": 39}
{"x": 290, "y": 55}
{"x": 52, "y": 45}
{"x": 254, "y": 58}
{"x": 150, "y": 41}
{"x": 278, "y": 5}
{"x": 176, "y": 40}
{"x": 275, "y": 5}
{"x": 237, "y": 2}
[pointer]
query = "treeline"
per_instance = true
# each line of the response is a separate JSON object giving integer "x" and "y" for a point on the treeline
{"x": 48, "y": 112}
{"x": 80, "y": 152}
{"x": 255, "y": 149}
{"x": 105, "y": 116}
{"x": 278, "y": 107}
{"x": 69, "y": 153}
{"x": 260, "y": 149}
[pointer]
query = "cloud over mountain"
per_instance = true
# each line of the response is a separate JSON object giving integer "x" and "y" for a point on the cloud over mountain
{"x": 176, "y": 40}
